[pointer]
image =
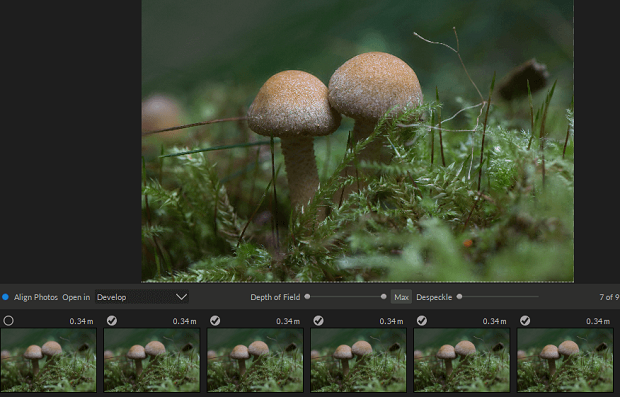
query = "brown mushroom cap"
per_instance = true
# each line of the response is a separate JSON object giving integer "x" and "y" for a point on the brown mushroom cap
{"x": 314, "y": 354}
{"x": 5, "y": 354}
{"x": 344, "y": 354}
{"x": 240, "y": 353}
{"x": 136, "y": 352}
{"x": 257, "y": 349}
{"x": 107, "y": 355}
{"x": 368, "y": 85}
{"x": 50, "y": 349}
{"x": 292, "y": 103}
{"x": 550, "y": 353}
{"x": 464, "y": 348}
{"x": 34, "y": 354}
{"x": 159, "y": 112}
{"x": 568, "y": 348}
{"x": 446, "y": 352}
{"x": 360, "y": 349}
{"x": 211, "y": 354}
{"x": 417, "y": 354}
{"x": 154, "y": 349}
{"x": 521, "y": 355}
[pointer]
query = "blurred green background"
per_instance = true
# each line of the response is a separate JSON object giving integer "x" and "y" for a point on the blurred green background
{"x": 483, "y": 338}
{"x": 224, "y": 339}
{"x": 586, "y": 338}
{"x": 379, "y": 338}
{"x": 16, "y": 340}
{"x": 172, "y": 338}
{"x": 205, "y": 51}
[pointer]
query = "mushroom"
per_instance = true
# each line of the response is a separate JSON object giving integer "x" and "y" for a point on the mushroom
{"x": 417, "y": 354}
{"x": 550, "y": 353}
{"x": 5, "y": 355}
{"x": 211, "y": 355}
{"x": 314, "y": 354}
{"x": 446, "y": 353}
{"x": 293, "y": 106}
{"x": 258, "y": 349}
{"x": 568, "y": 349}
{"x": 344, "y": 354}
{"x": 108, "y": 355}
{"x": 464, "y": 349}
{"x": 240, "y": 353}
{"x": 137, "y": 353}
{"x": 159, "y": 112}
{"x": 368, "y": 85}
{"x": 361, "y": 349}
{"x": 51, "y": 349}
{"x": 521, "y": 355}
{"x": 33, "y": 353}
{"x": 154, "y": 349}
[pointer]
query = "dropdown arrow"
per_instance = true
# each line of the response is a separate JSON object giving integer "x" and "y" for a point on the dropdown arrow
{"x": 181, "y": 297}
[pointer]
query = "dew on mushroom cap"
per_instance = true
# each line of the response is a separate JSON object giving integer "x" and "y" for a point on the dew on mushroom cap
{"x": 293, "y": 106}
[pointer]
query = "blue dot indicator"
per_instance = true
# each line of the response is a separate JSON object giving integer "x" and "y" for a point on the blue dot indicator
{"x": 5, "y": 297}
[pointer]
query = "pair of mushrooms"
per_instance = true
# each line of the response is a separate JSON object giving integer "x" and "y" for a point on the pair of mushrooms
{"x": 551, "y": 353}
{"x": 138, "y": 353}
{"x": 464, "y": 349}
{"x": 258, "y": 349}
{"x": 344, "y": 353}
{"x": 296, "y": 106}
{"x": 34, "y": 353}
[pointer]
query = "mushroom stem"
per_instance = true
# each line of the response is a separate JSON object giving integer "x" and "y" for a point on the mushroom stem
{"x": 301, "y": 170}
{"x": 241, "y": 367}
{"x": 138, "y": 367}
{"x": 345, "y": 367}
{"x": 448, "y": 367}
{"x": 551, "y": 367}
{"x": 35, "y": 367}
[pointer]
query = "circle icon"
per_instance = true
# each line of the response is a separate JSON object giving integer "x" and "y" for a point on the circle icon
{"x": 307, "y": 296}
{"x": 383, "y": 296}
{"x": 422, "y": 320}
{"x": 8, "y": 320}
{"x": 5, "y": 297}
{"x": 525, "y": 320}
{"x": 215, "y": 320}
{"x": 459, "y": 296}
{"x": 111, "y": 320}
{"x": 318, "y": 321}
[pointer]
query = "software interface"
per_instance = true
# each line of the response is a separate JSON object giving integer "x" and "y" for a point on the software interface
{"x": 359, "y": 197}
